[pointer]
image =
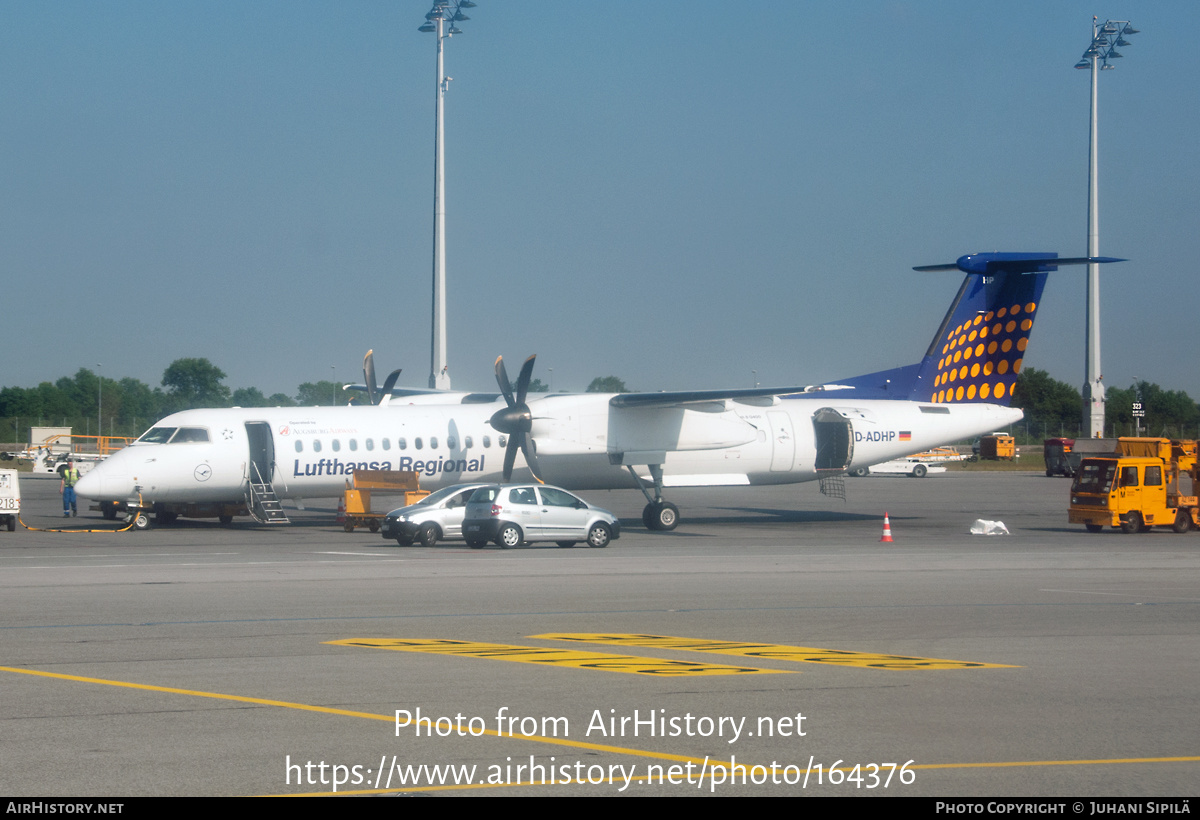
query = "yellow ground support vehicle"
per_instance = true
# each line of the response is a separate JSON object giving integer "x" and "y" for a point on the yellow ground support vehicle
{"x": 1148, "y": 482}
{"x": 998, "y": 447}
{"x": 383, "y": 482}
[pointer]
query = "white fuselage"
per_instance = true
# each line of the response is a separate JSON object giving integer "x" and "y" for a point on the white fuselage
{"x": 582, "y": 443}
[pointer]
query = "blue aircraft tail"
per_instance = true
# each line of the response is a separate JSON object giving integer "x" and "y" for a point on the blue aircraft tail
{"x": 977, "y": 352}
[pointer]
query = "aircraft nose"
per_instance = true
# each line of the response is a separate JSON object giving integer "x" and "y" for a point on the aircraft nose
{"x": 103, "y": 484}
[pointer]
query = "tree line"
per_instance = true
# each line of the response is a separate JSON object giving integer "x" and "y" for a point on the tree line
{"x": 1053, "y": 408}
{"x": 128, "y": 406}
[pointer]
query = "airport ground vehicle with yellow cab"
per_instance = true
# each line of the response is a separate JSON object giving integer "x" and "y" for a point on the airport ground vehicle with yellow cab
{"x": 1146, "y": 482}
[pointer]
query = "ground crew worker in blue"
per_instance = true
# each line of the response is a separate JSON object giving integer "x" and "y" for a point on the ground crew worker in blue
{"x": 70, "y": 477}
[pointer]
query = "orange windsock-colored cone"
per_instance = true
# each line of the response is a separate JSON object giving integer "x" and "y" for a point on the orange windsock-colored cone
{"x": 341, "y": 511}
{"x": 887, "y": 529}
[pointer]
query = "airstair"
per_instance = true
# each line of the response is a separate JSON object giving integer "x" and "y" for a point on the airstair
{"x": 261, "y": 500}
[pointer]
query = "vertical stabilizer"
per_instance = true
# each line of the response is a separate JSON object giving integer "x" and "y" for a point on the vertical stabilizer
{"x": 979, "y": 348}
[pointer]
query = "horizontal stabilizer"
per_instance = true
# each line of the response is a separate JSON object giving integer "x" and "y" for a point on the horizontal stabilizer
{"x": 996, "y": 263}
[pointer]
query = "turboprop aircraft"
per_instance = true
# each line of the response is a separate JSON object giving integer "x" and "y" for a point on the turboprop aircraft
{"x": 226, "y": 461}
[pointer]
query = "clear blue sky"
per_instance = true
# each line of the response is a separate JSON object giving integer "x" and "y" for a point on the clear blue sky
{"x": 673, "y": 193}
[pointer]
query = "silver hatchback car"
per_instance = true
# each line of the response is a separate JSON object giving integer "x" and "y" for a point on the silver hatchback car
{"x": 436, "y": 516}
{"x": 513, "y": 514}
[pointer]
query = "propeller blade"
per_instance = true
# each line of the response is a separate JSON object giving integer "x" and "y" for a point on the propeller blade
{"x": 528, "y": 448}
{"x": 523, "y": 379}
{"x": 389, "y": 383}
{"x": 510, "y": 457}
{"x": 502, "y": 380}
{"x": 369, "y": 376}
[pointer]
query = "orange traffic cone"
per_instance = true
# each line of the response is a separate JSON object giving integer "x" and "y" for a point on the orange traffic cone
{"x": 341, "y": 511}
{"x": 887, "y": 529}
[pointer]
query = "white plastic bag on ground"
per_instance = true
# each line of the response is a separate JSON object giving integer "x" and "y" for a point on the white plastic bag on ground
{"x": 984, "y": 527}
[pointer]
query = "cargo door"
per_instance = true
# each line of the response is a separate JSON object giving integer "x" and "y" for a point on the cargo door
{"x": 834, "y": 438}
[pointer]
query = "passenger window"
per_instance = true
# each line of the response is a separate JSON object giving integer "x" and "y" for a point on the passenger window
{"x": 1129, "y": 477}
{"x": 487, "y": 441}
{"x": 353, "y": 444}
{"x": 417, "y": 443}
{"x": 370, "y": 444}
{"x": 402, "y": 443}
{"x": 451, "y": 442}
{"x": 468, "y": 443}
{"x": 1154, "y": 476}
{"x": 337, "y": 445}
{"x": 502, "y": 441}
{"x": 316, "y": 445}
{"x": 299, "y": 446}
{"x": 387, "y": 444}
{"x": 433, "y": 442}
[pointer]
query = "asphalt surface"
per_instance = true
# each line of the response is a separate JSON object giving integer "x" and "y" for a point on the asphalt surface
{"x": 203, "y": 660}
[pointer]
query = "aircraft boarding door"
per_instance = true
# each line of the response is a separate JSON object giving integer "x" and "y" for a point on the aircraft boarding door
{"x": 835, "y": 439}
{"x": 783, "y": 453}
{"x": 262, "y": 452}
{"x": 261, "y": 500}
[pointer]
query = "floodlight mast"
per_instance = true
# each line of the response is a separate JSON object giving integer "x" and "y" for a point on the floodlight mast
{"x": 443, "y": 12}
{"x": 1105, "y": 39}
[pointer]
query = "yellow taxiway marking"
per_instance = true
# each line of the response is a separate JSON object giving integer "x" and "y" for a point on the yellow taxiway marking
{"x": 767, "y": 651}
{"x": 558, "y": 657}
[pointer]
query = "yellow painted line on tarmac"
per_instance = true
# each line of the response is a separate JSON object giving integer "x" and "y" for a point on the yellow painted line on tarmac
{"x": 550, "y": 656}
{"x": 767, "y": 651}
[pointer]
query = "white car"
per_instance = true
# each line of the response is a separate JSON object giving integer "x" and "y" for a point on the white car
{"x": 513, "y": 514}
{"x": 436, "y": 516}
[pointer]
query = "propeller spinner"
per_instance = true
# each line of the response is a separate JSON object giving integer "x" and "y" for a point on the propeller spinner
{"x": 515, "y": 420}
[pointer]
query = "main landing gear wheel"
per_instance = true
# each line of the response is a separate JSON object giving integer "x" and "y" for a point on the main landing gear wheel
{"x": 140, "y": 520}
{"x": 660, "y": 515}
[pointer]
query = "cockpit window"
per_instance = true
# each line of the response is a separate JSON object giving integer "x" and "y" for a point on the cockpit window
{"x": 157, "y": 435}
{"x": 188, "y": 435}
